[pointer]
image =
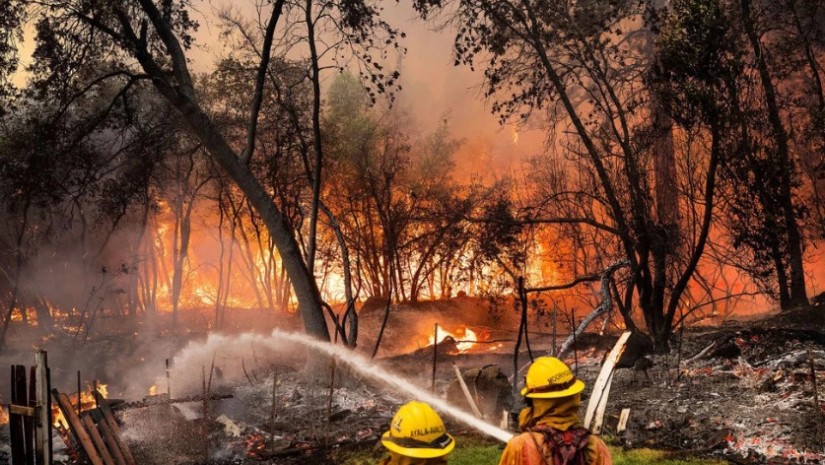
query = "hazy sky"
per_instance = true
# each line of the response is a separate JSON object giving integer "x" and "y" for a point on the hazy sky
{"x": 432, "y": 87}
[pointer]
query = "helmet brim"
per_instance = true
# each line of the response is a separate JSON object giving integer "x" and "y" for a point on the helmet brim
{"x": 417, "y": 452}
{"x": 577, "y": 387}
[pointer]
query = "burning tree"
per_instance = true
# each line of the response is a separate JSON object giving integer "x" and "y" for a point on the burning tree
{"x": 592, "y": 73}
{"x": 83, "y": 46}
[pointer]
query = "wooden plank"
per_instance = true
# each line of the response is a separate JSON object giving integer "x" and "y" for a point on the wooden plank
{"x": 23, "y": 400}
{"x": 97, "y": 440}
{"x": 23, "y": 411}
{"x": 16, "y": 434}
{"x": 598, "y": 420}
{"x": 77, "y": 427}
{"x": 49, "y": 413}
{"x": 113, "y": 444}
{"x": 466, "y": 391}
{"x": 112, "y": 423}
{"x": 29, "y": 421}
{"x": 601, "y": 388}
{"x": 42, "y": 427}
{"x": 623, "y": 417}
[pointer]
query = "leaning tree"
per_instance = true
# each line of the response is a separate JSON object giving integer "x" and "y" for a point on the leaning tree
{"x": 82, "y": 45}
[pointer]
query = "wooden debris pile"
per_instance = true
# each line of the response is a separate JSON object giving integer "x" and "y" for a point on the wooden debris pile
{"x": 92, "y": 434}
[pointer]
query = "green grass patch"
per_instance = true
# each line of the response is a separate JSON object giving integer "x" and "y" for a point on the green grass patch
{"x": 643, "y": 456}
{"x": 476, "y": 450}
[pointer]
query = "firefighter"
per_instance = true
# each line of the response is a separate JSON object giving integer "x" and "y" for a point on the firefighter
{"x": 417, "y": 436}
{"x": 552, "y": 433}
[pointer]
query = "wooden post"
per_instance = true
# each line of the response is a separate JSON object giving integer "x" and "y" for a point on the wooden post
{"x": 575, "y": 348}
{"x": 817, "y": 409}
{"x": 623, "y": 417}
{"x": 79, "y": 431}
{"x": 211, "y": 371}
{"x": 435, "y": 354}
{"x": 47, "y": 401}
{"x": 17, "y": 434}
{"x": 555, "y": 349}
{"x": 679, "y": 351}
{"x": 43, "y": 425}
{"x": 79, "y": 395}
{"x": 97, "y": 404}
{"x": 332, "y": 375}
{"x": 205, "y": 395}
{"x": 272, "y": 409}
{"x": 168, "y": 380}
{"x": 29, "y": 421}
{"x": 205, "y": 422}
{"x": 466, "y": 391}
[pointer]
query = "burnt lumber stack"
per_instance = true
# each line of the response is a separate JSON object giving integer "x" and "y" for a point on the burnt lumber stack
{"x": 95, "y": 432}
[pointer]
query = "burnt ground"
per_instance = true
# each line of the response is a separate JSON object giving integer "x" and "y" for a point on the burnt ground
{"x": 749, "y": 399}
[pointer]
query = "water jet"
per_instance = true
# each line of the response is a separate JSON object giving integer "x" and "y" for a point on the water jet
{"x": 368, "y": 368}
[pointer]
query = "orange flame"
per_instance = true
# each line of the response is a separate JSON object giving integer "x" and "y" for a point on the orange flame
{"x": 87, "y": 402}
{"x": 467, "y": 337}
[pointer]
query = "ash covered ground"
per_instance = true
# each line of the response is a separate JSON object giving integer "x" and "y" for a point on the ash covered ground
{"x": 749, "y": 398}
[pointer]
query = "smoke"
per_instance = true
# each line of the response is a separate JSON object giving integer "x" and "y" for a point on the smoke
{"x": 235, "y": 357}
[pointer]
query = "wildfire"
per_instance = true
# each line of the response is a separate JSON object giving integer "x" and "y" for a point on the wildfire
{"x": 87, "y": 402}
{"x": 4, "y": 416}
{"x": 153, "y": 390}
{"x": 467, "y": 337}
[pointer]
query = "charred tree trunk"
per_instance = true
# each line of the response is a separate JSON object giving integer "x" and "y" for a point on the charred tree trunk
{"x": 350, "y": 315}
{"x": 266, "y": 261}
{"x": 134, "y": 270}
{"x": 798, "y": 294}
{"x": 663, "y": 337}
{"x": 317, "y": 142}
{"x": 179, "y": 91}
{"x": 183, "y": 230}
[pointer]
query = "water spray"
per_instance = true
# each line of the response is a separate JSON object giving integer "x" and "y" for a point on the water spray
{"x": 370, "y": 369}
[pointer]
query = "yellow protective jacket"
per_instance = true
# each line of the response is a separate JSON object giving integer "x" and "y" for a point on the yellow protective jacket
{"x": 529, "y": 448}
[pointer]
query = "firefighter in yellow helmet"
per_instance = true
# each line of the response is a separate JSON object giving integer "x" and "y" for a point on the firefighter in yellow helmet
{"x": 551, "y": 430}
{"x": 417, "y": 436}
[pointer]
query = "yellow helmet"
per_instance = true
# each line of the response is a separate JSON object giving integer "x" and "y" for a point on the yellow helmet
{"x": 549, "y": 378}
{"x": 417, "y": 431}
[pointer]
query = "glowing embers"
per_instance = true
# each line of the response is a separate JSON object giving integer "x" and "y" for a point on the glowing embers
{"x": 255, "y": 444}
{"x": 464, "y": 339}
